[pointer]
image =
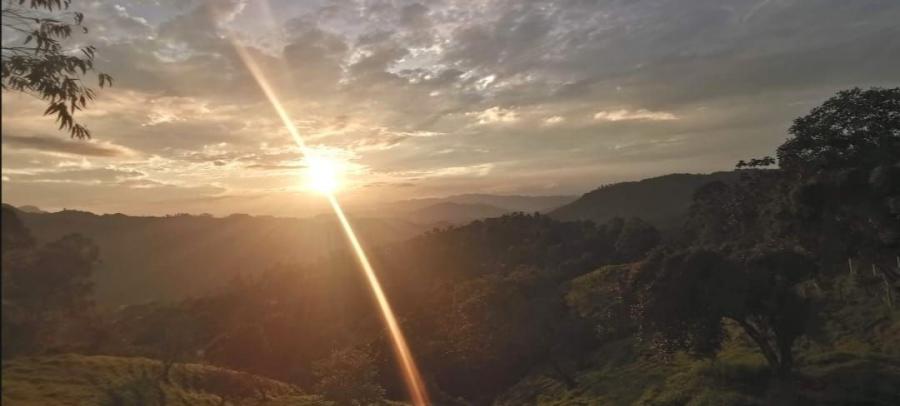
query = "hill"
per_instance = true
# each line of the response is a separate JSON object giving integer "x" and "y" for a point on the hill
{"x": 662, "y": 201}
{"x": 104, "y": 380}
{"x": 527, "y": 204}
{"x": 30, "y": 209}
{"x": 455, "y": 213}
{"x": 461, "y": 209}
{"x": 163, "y": 258}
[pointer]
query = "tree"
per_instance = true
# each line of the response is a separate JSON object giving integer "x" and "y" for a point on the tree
{"x": 349, "y": 377}
{"x": 178, "y": 338}
{"x": 41, "y": 66}
{"x": 42, "y": 286}
{"x": 602, "y": 297}
{"x": 636, "y": 239}
{"x": 17, "y": 245}
{"x": 170, "y": 333}
{"x": 743, "y": 213}
{"x": 14, "y": 234}
{"x": 842, "y": 168}
{"x": 692, "y": 292}
{"x": 854, "y": 128}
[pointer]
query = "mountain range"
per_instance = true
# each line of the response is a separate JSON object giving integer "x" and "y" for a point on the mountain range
{"x": 461, "y": 209}
{"x": 162, "y": 258}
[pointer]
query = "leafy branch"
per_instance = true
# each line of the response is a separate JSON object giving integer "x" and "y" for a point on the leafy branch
{"x": 42, "y": 67}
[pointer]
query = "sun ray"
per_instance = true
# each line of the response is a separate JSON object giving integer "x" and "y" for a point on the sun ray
{"x": 322, "y": 173}
{"x": 323, "y": 178}
{"x": 411, "y": 371}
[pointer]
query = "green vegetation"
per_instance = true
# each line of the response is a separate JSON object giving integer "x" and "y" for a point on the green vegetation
{"x": 38, "y": 63}
{"x": 104, "y": 380}
{"x": 854, "y": 360}
{"x": 171, "y": 258}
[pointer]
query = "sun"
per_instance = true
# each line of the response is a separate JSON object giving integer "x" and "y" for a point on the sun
{"x": 322, "y": 173}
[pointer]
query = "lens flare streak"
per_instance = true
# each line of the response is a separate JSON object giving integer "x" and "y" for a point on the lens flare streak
{"x": 411, "y": 375}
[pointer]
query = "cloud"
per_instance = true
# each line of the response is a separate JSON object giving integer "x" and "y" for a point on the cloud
{"x": 554, "y": 120}
{"x": 89, "y": 176}
{"x": 276, "y": 167}
{"x": 640, "y": 114}
{"x": 58, "y": 144}
{"x": 495, "y": 115}
{"x": 463, "y": 93}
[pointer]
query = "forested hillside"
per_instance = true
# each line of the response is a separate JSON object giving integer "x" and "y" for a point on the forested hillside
{"x": 169, "y": 258}
{"x": 662, "y": 201}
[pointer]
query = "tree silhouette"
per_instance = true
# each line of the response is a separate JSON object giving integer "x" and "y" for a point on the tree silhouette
{"x": 42, "y": 286}
{"x": 852, "y": 129}
{"x": 41, "y": 66}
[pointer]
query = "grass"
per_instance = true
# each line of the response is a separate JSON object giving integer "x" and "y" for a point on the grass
{"x": 103, "y": 380}
{"x": 738, "y": 376}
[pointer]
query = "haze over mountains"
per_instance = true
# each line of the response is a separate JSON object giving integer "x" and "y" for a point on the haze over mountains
{"x": 150, "y": 258}
{"x": 163, "y": 258}
{"x": 463, "y": 208}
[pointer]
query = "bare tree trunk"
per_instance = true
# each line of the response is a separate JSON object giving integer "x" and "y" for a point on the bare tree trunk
{"x": 764, "y": 346}
{"x": 782, "y": 391}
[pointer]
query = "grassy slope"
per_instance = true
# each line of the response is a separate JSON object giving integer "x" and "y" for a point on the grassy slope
{"x": 856, "y": 360}
{"x": 102, "y": 380}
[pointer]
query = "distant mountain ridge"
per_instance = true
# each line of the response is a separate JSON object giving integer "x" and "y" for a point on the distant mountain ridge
{"x": 164, "y": 258}
{"x": 30, "y": 209}
{"x": 662, "y": 201}
{"x": 176, "y": 256}
{"x": 461, "y": 209}
{"x": 523, "y": 203}
{"x": 453, "y": 213}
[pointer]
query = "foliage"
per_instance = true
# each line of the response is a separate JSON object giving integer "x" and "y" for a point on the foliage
{"x": 635, "y": 240}
{"x": 741, "y": 214}
{"x": 349, "y": 377}
{"x": 42, "y": 286}
{"x": 603, "y": 297}
{"x": 490, "y": 330}
{"x": 748, "y": 246}
{"x": 172, "y": 258}
{"x": 477, "y": 318}
{"x": 104, "y": 380}
{"x": 41, "y": 66}
{"x": 16, "y": 236}
{"x": 854, "y": 128}
{"x": 742, "y": 259}
{"x": 694, "y": 291}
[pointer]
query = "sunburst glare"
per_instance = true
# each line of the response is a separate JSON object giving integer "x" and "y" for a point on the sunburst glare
{"x": 323, "y": 173}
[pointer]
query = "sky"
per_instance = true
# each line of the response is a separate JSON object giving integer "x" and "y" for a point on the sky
{"x": 433, "y": 98}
